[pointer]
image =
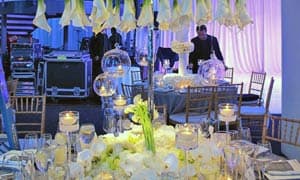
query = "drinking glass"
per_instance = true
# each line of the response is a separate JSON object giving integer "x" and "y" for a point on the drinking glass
{"x": 86, "y": 135}
{"x": 245, "y": 134}
{"x": 31, "y": 141}
{"x": 110, "y": 121}
{"x": 45, "y": 140}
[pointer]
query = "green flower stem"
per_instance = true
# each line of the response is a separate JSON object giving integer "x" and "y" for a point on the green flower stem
{"x": 148, "y": 134}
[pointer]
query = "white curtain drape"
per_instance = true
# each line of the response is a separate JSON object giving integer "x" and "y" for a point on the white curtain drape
{"x": 256, "y": 48}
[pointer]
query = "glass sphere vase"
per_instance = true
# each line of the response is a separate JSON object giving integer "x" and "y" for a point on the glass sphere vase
{"x": 116, "y": 62}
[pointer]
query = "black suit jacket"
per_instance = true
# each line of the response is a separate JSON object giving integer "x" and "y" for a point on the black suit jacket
{"x": 203, "y": 49}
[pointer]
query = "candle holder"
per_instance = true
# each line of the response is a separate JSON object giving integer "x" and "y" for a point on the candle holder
{"x": 186, "y": 139}
{"x": 120, "y": 103}
{"x": 69, "y": 123}
{"x": 227, "y": 113}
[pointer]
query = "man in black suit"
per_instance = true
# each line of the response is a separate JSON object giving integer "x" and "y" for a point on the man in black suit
{"x": 115, "y": 38}
{"x": 98, "y": 46}
{"x": 204, "y": 46}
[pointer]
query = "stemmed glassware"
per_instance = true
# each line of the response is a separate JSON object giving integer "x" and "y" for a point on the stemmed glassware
{"x": 186, "y": 139}
{"x": 69, "y": 123}
{"x": 227, "y": 113}
{"x": 232, "y": 158}
{"x": 44, "y": 156}
{"x": 166, "y": 65}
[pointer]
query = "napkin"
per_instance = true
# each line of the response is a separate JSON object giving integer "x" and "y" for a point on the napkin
{"x": 289, "y": 169}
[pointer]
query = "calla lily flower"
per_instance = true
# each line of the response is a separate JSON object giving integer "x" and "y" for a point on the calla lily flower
{"x": 66, "y": 16}
{"x": 209, "y": 9}
{"x": 128, "y": 22}
{"x": 114, "y": 14}
{"x": 40, "y": 18}
{"x": 99, "y": 15}
{"x": 186, "y": 15}
{"x": 224, "y": 15}
{"x": 242, "y": 17}
{"x": 176, "y": 12}
{"x": 164, "y": 15}
{"x": 78, "y": 16}
{"x": 146, "y": 17}
{"x": 201, "y": 12}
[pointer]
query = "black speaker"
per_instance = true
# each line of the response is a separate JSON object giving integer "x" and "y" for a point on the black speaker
{"x": 66, "y": 75}
{"x": 68, "y": 78}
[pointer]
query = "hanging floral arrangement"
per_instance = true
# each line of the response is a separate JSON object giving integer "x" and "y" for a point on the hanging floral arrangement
{"x": 40, "y": 18}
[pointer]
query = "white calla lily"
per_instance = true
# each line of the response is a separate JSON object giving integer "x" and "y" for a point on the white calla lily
{"x": 224, "y": 15}
{"x": 66, "y": 16}
{"x": 146, "y": 17}
{"x": 201, "y": 12}
{"x": 209, "y": 9}
{"x": 175, "y": 20}
{"x": 99, "y": 15}
{"x": 128, "y": 22}
{"x": 186, "y": 15}
{"x": 242, "y": 17}
{"x": 164, "y": 15}
{"x": 78, "y": 16}
{"x": 113, "y": 19}
{"x": 40, "y": 18}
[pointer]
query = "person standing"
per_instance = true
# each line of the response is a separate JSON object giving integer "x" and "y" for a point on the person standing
{"x": 98, "y": 46}
{"x": 204, "y": 46}
{"x": 115, "y": 38}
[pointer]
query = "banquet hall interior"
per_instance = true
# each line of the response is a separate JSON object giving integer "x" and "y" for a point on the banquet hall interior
{"x": 64, "y": 73}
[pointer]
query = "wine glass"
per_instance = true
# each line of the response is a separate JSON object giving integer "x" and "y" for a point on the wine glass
{"x": 262, "y": 156}
{"x": 232, "y": 156}
{"x": 69, "y": 123}
{"x": 166, "y": 65}
{"x": 186, "y": 139}
{"x": 86, "y": 135}
{"x": 44, "y": 156}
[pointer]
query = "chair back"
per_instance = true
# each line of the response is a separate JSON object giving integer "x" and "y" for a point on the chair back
{"x": 199, "y": 101}
{"x": 280, "y": 129}
{"x": 12, "y": 87}
{"x": 269, "y": 95}
{"x": 131, "y": 90}
{"x": 32, "y": 113}
{"x": 229, "y": 75}
{"x": 136, "y": 77}
{"x": 257, "y": 82}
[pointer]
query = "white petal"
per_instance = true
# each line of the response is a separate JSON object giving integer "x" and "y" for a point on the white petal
{"x": 146, "y": 17}
{"x": 40, "y": 18}
{"x": 128, "y": 22}
{"x": 224, "y": 15}
{"x": 242, "y": 16}
{"x": 201, "y": 12}
{"x": 66, "y": 16}
{"x": 164, "y": 14}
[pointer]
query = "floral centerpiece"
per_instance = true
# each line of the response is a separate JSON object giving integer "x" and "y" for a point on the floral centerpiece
{"x": 141, "y": 115}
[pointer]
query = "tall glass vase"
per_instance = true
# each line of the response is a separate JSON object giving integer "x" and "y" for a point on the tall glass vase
{"x": 148, "y": 130}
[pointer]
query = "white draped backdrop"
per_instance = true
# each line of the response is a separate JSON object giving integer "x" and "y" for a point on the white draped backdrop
{"x": 256, "y": 48}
